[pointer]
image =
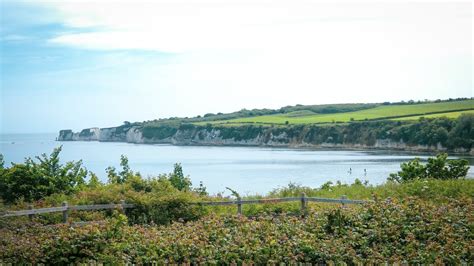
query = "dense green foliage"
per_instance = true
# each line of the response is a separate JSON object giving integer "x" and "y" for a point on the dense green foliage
{"x": 435, "y": 190}
{"x": 124, "y": 175}
{"x": 423, "y": 132}
{"x": 35, "y": 180}
{"x": 438, "y": 167}
{"x": 160, "y": 131}
{"x": 462, "y": 134}
{"x": 178, "y": 180}
{"x": 159, "y": 200}
{"x": 385, "y": 231}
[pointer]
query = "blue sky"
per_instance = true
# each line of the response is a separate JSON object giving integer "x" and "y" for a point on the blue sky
{"x": 75, "y": 64}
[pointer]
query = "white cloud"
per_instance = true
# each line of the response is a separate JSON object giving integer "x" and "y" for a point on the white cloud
{"x": 330, "y": 52}
{"x": 169, "y": 26}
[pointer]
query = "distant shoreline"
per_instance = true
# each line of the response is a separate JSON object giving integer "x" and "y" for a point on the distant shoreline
{"x": 290, "y": 147}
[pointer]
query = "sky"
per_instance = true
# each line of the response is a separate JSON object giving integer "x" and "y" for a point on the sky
{"x": 79, "y": 64}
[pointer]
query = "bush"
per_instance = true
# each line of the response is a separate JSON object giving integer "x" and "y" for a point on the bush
{"x": 154, "y": 209}
{"x": 435, "y": 190}
{"x": 411, "y": 231}
{"x": 35, "y": 180}
{"x": 438, "y": 167}
{"x": 156, "y": 200}
{"x": 178, "y": 180}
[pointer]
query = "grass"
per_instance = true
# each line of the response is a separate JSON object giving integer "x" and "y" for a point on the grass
{"x": 452, "y": 115}
{"x": 412, "y": 111}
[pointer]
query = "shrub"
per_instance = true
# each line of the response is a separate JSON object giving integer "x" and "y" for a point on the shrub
{"x": 435, "y": 190}
{"x": 178, "y": 180}
{"x": 438, "y": 167}
{"x": 411, "y": 231}
{"x": 156, "y": 200}
{"x": 164, "y": 209}
{"x": 124, "y": 175}
{"x": 35, "y": 180}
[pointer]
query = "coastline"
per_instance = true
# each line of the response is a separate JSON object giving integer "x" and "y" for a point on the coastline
{"x": 309, "y": 147}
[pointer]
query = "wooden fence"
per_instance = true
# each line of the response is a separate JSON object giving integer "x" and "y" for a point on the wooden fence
{"x": 65, "y": 208}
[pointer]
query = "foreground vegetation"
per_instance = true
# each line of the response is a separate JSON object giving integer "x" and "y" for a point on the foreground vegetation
{"x": 419, "y": 216}
{"x": 411, "y": 231}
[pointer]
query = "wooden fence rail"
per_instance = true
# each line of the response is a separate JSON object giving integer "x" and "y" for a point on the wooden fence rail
{"x": 65, "y": 208}
{"x": 303, "y": 199}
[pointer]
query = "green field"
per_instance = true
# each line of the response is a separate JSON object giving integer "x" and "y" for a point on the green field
{"x": 452, "y": 115}
{"x": 401, "y": 112}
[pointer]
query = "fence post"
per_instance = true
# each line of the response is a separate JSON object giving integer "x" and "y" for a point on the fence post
{"x": 30, "y": 207}
{"x": 343, "y": 197}
{"x": 65, "y": 212}
{"x": 239, "y": 206}
{"x": 303, "y": 204}
{"x": 122, "y": 204}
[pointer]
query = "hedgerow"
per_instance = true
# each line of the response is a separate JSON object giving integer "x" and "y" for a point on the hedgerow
{"x": 385, "y": 231}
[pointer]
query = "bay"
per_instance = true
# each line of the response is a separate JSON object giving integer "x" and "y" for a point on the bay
{"x": 249, "y": 170}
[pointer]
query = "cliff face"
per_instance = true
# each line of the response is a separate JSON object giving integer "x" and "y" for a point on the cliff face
{"x": 88, "y": 134}
{"x": 269, "y": 137}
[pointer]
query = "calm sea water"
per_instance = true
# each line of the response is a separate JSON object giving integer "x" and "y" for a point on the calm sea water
{"x": 249, "y": 170}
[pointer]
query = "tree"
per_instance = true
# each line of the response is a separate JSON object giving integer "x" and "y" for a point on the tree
{"x": 178, "y": 180}
{"x": 410, "y": 170}
{"x": 36, "y": 179}
{"x": 440, "y": 135}
{"x": 201, "y": 190}
{"x": 18, "y": 182}
{"x": 462, "y": 135}
{"x": 94, "y": 181}
{"x": 123, "y": 175}
{"x": 126, "y": 172}
{"x": 112, "y": 176}
{"x": 233, "y": 192}
{"x": 438, "y": 167}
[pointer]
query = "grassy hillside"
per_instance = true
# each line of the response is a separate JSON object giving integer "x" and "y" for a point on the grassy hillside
{"x": 406, "y": 111}
{"x": 452, "y": 115}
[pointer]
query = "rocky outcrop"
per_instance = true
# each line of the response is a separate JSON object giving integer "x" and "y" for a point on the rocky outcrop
{"x": 88, "y": 134}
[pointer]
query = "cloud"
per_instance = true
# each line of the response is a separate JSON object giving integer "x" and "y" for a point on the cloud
{"x": 183, "y": 27}
{"x": 14, "y": 38}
